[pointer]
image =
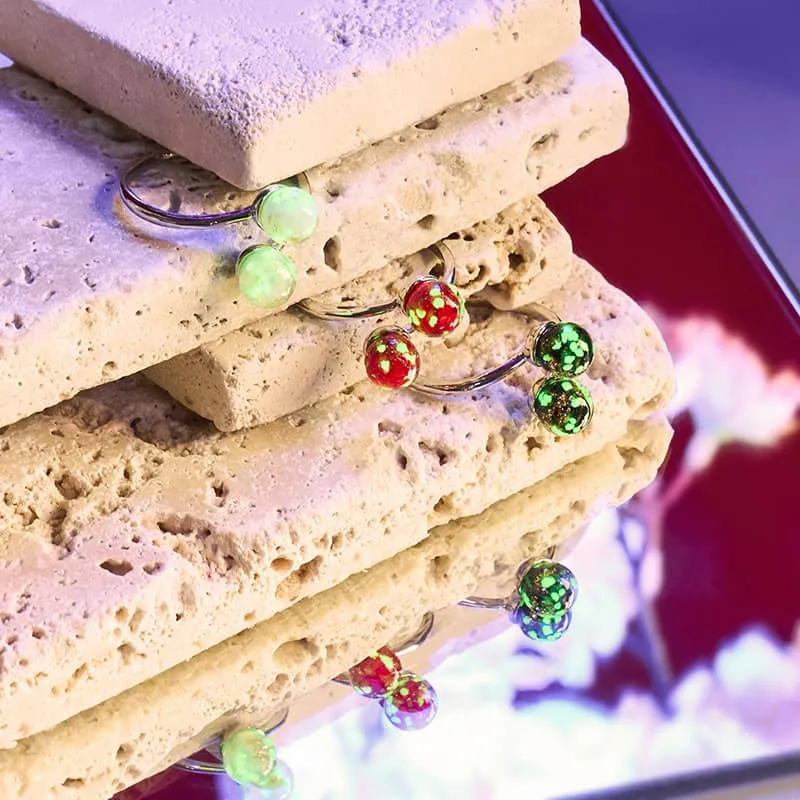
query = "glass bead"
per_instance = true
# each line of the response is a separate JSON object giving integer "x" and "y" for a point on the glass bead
{"x": 391, "y": 359}
{"x": 249, "y": 757}
{"x": 547, "y": 589}
{"x": 542, "y": 629}
{"x": 412, "y": 703}
{"x": 267, "y": 277}
{"x": 434, "y": 307}
{"x": 563, "y": 405}
{"x": 279, "y": 784}
{"x": 563, "y": 348}
{"x": 377, "y": 674}
{"x": 287, "y": 214}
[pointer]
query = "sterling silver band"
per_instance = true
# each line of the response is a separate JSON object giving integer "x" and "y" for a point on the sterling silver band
{"x": 173, "y": 219}
{"x": 499, "y": 373}
{"x": 347, "y": 311}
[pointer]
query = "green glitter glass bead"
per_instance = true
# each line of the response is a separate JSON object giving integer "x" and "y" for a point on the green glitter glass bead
{"x": 287, "y": 214}
{"x": 267, "y": 278}
{"x": 249, "y": 757}
{"x": 279, "y": 784}
{"x": 563, "y": 348}
{"x": 547, "y": 589}
{"x": 563, "y": 405}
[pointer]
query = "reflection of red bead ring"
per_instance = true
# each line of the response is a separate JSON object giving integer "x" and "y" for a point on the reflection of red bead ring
{"x": 409, "y": 702}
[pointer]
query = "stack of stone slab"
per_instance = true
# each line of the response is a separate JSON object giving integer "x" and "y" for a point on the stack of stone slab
{"x": 207, "y": 512}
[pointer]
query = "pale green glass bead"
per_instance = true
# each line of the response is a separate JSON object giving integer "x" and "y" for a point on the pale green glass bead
{"x": 267, "y": 277}
{"x": 249, "y": 757}
{"x": 287, "y": 214}
{"x": 279, "y": 785}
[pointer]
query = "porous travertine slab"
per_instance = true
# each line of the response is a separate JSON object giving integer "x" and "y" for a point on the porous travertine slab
{"x": 86, "y": 296}
{"x": 257, "y": 374}
{"x": 187, "y": 536}
{"x": 255, "y": 93}
{"x": 244, "y": 680}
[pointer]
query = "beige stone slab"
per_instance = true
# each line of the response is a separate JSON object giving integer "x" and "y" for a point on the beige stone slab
{"x": 255, "y": 94}
{"x": 187, "y": 536}
{"x": 258, "y": 374}
{"x": 244, "y": 680}
{"x": 87, "y": 296}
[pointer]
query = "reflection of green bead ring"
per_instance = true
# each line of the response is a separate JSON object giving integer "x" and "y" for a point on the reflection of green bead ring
{"x": 287, "y": 213}
{"x": 247, "y": 756}
{"x": 563, "y": 350}
{"x": 541, "y": 605}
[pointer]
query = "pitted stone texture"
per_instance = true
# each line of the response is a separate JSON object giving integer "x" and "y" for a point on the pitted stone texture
{"x": 247, "y": 678}
{"x": 86, "y": 296}
{"x": 187, "y": 537}
{"x": 255, "y": 95}
{"x": 282, "y": 363}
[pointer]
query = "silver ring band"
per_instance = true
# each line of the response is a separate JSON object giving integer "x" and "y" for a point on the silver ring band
{"x": 499, "y": 373}
{"x": 413, "y": 642}
{"x": 173, "y": 219}
{"x": 347, "y": 311}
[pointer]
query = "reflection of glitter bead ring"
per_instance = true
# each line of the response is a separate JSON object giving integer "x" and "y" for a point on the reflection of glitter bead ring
{"x": 247, "y": 756}
{"x": 286, "y": 212}
{"x": 563, "y": 350}
{"x": 541, "y": 603}
{"x": 409, "y": 702}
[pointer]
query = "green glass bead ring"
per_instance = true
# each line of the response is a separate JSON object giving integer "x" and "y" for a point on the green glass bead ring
{"x": 213, "y": 765}
{"x": 508, "y": 603}
{"x": 542, "y": 600}
{"x": 563, "y": 350}
{"x": 137, "y": 205}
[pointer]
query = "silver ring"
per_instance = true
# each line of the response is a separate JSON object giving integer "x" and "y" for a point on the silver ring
{"x": 413, "y": 642}
{"x": 503, "y": 603}
{"x": 200, "y": 766}
{"x": 173, "y": 219}
{"x": 563, "y": 350}
{"x": 348, "y": 311}
{"x": 497, "y": 374}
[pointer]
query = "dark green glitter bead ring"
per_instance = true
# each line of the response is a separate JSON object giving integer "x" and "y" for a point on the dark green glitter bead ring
{"x": 564, "y": 350}
{"x": 541, "y": 605}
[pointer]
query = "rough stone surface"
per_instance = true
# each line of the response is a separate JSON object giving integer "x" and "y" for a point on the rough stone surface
{"x": 87, "y": 295}
{"x": 255, "y": 96}
{"x": 257, "y": 374}
{"x": 188, "y": 536}
{"x": 247, "y": 678}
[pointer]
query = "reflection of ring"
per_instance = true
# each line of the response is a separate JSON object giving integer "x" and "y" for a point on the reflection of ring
{"x": 564, "y": 350}
{"x": 409, "y": 702}
{"x": 247, "y": 756}
{"x": 408, "y": 645}
{"x": 541, "y": 603}
{"x": 200, "y": 765}
{"x": 286, "y": 212}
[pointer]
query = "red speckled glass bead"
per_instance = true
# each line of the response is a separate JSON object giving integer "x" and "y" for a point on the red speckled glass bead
{"x": 377, "y": 674}
{"x": 412, "y": 703}
{"x": 434, "y": 307}
{"x": 391, "y": 359}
